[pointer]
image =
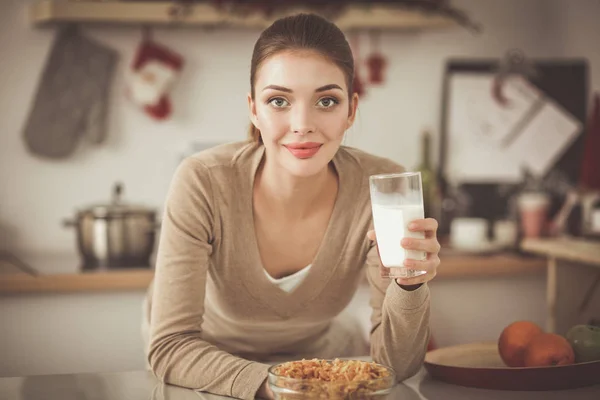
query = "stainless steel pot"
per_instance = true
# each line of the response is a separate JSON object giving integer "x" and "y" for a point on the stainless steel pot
{"x": 115, "y": 234}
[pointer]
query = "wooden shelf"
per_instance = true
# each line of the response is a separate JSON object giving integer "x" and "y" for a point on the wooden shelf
{"x": 206, "y": 15}
{"x": 567, "y": 249}
{"x": 103, "y": 281}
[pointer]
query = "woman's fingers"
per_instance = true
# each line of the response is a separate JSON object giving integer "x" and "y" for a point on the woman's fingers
{"x": 428, "y": 245}
{"x": 427, "y": 225}
{"x": 429, "y": 264}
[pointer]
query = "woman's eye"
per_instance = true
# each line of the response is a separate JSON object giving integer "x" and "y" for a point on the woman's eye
{"x": 327, "y": 102}
{"x": 279, "y": 102}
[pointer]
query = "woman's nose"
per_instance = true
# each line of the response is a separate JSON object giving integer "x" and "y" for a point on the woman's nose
{"x": 301, "y": 123}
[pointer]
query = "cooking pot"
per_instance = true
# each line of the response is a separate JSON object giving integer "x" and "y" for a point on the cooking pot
{"x": 115, "y": 234}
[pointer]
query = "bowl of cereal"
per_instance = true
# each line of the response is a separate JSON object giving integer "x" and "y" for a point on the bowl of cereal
{"x": 331, "y": 379}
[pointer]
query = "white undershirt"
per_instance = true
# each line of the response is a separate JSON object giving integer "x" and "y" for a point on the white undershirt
{"x": 290, "y": 282}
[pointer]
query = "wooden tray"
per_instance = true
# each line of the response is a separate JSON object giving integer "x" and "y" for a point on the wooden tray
{"x": 479, "y": 365}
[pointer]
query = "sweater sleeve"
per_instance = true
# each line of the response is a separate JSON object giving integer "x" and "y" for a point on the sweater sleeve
{"x": 399, "y": 321}
{"x": 177, "y": 353}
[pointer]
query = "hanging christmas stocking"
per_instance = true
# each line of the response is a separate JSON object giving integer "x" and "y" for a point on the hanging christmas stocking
{"x": 154, "y": 70}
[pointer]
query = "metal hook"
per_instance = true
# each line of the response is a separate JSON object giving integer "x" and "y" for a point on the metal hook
{"x": 515, "y": 62}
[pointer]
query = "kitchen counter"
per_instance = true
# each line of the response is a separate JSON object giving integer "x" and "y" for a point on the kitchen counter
{"x": 582, "y": 251}
{"x": 99, "y": 281}
{"x": 573, "y": 278}
{"x": 60, "y": 273}
{"x": 142, "y": 385}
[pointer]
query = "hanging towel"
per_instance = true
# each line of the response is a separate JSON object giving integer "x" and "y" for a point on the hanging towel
{"x": 72, "y": 96}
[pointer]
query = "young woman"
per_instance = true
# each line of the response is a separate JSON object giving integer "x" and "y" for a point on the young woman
{"x": 265, "y": 242}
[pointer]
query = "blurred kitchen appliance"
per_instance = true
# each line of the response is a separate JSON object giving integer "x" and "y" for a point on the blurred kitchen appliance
{"x": 116, "y": 234}
{"x": 579, "y": 215}
{"x": 591, "y": 216}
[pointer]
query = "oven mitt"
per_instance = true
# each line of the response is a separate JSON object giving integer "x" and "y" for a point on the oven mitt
{"x": 72, "y": 96}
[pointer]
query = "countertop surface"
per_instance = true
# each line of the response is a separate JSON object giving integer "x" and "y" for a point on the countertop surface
{"x": 142, "y": 385}
{"x": 60, "y": 273}
{"x": 578, "y": 250}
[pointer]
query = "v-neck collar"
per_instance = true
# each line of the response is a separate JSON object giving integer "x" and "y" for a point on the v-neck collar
{"x": 328, "y": 255}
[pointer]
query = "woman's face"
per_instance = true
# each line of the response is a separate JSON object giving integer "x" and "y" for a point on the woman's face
{"x": 302, "y": 109}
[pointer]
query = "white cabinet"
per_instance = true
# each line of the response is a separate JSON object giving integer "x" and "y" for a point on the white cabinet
{"x": 65, "y": 333}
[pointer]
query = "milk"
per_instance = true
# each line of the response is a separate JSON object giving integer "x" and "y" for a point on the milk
{"x": 391, "y": 226}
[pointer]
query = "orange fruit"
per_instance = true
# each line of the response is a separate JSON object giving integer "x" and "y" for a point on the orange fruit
{"x": 549, "y": 349}
{"x": 513, "y": 342}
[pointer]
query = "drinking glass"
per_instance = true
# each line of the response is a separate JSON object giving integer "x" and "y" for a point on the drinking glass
{"x": 397, "y": 200}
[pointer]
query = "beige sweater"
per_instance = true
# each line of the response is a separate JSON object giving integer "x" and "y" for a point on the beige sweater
{"x": 215, "y": 315}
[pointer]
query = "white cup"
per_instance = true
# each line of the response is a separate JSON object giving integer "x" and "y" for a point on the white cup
{"x": 468, "y": 233}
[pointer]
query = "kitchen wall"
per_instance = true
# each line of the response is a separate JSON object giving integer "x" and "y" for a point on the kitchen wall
{"x": 37, "y": 194}
{"x": 577, "y": 22}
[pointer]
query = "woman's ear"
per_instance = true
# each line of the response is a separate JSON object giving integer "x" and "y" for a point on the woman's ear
{"x": 252, "y": 111}
{"x": 352, "y": 111}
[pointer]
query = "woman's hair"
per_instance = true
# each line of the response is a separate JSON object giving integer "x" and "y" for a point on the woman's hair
{"x": 302, "y": 32}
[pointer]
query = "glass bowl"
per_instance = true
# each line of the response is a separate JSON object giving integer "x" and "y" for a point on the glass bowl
{"x": 345, "y": 385}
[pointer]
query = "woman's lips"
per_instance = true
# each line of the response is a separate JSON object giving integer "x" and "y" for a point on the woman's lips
{"x": 303, "y": 150}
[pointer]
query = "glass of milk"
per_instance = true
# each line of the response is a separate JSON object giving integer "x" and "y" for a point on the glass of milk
{"x": 397, "y": 200}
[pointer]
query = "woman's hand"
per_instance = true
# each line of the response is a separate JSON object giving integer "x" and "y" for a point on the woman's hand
{"x": 429, "y": 244}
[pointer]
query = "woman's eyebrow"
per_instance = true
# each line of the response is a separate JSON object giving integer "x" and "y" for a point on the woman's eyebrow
{"x": 287, "y": 90}
{"x": 328, "y": 87}
{"x": 277, "y": 87}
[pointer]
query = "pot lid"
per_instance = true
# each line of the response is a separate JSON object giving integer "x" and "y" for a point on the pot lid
{"x": 117, "y": 207}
